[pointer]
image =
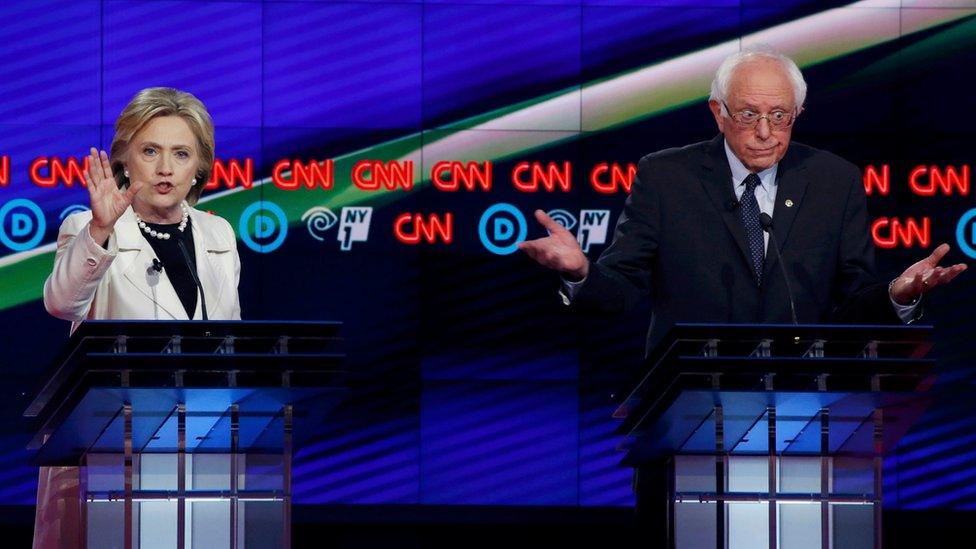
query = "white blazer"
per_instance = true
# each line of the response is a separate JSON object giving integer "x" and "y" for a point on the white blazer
{"x": 91, "y": 282}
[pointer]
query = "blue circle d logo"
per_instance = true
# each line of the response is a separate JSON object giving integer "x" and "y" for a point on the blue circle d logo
{"x": 966, "y": 233}
{"x": 267, "y": 218}
{"x": 26, "y": 228}
{"x": 501, "y": 228}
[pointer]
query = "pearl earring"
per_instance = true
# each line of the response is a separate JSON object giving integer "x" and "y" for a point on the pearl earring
{"x": 193, "y": 181}
{"x": 126, "y": 172}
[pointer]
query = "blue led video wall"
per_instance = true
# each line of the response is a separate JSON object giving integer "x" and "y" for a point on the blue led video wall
{"x": 380, "y": 160}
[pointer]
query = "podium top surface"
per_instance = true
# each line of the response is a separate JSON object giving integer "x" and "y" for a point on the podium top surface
{"x": 187, "y": 354}
{"x": 207, "y": 328}
{"x": 777, "y": 357}
{"x": 830, "y": 332}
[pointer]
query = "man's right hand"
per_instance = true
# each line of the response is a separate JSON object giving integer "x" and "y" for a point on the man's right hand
{"x": 559, "y": 251}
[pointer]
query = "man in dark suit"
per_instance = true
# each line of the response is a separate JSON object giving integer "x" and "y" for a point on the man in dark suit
{"x": 692, "y": 231}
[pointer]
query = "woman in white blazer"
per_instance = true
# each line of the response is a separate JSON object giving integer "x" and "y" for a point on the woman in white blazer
{"x": 122, "y": 281}
{"x": 141, "y": 252}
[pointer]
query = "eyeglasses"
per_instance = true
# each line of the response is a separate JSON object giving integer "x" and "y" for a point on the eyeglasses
{"x": 748, "y": 119}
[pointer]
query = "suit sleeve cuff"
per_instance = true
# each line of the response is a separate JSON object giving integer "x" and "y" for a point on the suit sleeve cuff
{"x": 570, "y": 290}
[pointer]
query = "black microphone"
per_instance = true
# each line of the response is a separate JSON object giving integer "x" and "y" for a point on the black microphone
{"x": 157, "y": 265}
{"x": 193, "y": 272}
{"x": 767, "y": 225}
{"x": 733, "y": 205}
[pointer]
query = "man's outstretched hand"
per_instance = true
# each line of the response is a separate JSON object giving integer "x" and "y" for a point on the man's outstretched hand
{"x": 923, "y": 276}
{"x": 559, "y": 251}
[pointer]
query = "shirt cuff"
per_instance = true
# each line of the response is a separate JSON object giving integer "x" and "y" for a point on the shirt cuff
{"x": 907, "y": 313}
{"x": 569, "y": 290}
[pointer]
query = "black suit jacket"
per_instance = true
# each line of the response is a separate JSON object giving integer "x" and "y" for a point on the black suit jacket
{"x": 681, "y": 239}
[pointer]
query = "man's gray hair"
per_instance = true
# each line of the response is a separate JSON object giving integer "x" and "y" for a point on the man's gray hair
{"x": 720, "y": 84}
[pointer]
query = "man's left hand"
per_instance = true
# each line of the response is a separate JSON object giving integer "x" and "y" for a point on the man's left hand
{"x": 923, "y": 276}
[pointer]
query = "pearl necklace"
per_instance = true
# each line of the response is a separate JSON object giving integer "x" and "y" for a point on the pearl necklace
{"x": 160, "y": 235}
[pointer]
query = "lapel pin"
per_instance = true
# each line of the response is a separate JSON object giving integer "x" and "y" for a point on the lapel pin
{"x": 789, "y": 203}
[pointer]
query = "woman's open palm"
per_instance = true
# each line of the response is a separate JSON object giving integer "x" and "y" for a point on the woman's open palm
{"x": 108, "y": 202}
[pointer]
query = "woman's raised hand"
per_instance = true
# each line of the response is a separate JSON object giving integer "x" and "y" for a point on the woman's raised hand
{"x": 108, "y": 202}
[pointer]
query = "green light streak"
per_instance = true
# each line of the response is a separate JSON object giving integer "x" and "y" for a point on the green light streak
{"x": 607, "y": 103}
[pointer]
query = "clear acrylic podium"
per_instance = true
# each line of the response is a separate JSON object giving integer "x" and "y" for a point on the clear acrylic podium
{"x": 771, "y": 436}
{"x": 183, "y": 432}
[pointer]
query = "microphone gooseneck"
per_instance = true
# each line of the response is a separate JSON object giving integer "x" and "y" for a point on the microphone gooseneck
{"x": 193, "y": 273}
{"x": 767, "y": 225}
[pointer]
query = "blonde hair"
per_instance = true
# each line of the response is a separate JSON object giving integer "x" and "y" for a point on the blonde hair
{"x": 153, "y": 103}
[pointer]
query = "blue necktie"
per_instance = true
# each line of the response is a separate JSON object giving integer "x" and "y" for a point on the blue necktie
{"x": 750, "y": 220}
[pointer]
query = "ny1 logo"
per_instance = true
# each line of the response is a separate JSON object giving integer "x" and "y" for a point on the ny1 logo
{"x": 503, "y": 226}
{"x": 22, "y": 225}
{"x": 353, "y": 223}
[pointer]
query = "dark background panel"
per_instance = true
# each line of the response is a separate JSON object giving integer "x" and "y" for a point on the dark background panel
{"x": 481, "y": 406}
